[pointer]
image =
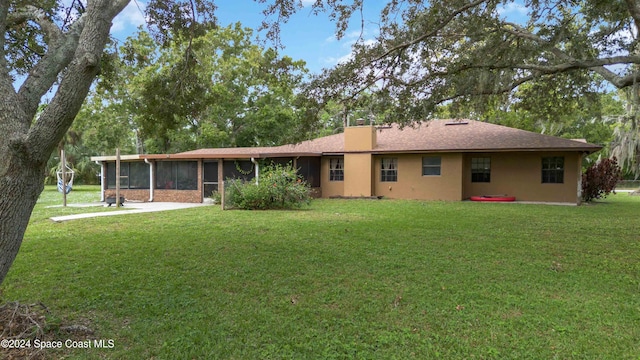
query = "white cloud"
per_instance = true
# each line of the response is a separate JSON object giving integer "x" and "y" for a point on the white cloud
{"x": 333, "y": 60}
{"x": 330, "y": 39}
{"x": 513, "y": 9}
{"x": 306, "y": 3}
{"x": 130, "y": 18}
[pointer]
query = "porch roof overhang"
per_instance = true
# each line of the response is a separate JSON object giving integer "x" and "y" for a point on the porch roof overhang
{"x": 189, "y": 156}
{"x": 113, "y": 157}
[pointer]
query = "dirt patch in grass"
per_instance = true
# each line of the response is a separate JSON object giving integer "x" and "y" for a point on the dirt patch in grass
{"x": 24, "y": 330}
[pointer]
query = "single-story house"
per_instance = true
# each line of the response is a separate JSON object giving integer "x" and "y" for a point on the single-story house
{"x": 434, "y": 160}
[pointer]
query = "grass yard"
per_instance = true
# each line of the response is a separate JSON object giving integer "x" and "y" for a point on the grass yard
{"x": 343, "y": 279}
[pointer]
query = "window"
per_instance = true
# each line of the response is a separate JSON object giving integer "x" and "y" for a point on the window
{"x": 389, "y": 169}
{"x": 553, "y": 170}
{"x": 336, "y": 169}
{"x": 133, "y": 175}
{"x": 177, "y": 175}
{"x": 481, "y": 169}
{"x": 431, "y": 165}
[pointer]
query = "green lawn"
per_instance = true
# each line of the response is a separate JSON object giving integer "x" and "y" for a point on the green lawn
{"x": 342, "y": 279}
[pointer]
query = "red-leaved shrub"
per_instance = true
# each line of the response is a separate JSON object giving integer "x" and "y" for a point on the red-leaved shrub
{"x": 601, "y": 179}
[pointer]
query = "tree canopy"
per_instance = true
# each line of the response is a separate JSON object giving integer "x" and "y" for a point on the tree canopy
{"x": 444, "y": 51}
{"x": 219, "y": 89}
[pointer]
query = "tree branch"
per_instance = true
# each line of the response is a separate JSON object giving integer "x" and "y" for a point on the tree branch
{"x": 431, "y": 33}
{"x": 44, "y": 74}
{"x": 30, "y": 12}
{"x": 595, "y": 65}
{"x": 634, "y": 10}
{"x": 80, "y": 72}
{"x": 504, "y": 89}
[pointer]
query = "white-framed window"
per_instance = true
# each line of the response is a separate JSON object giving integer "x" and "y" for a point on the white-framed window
{"x": 389, "y": 169}
{"x": 431, "y": 165}
{"x": 336, "y": 169}
{"x": 481, "y": 169}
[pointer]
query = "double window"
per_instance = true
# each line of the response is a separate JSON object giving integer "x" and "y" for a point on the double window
{"x": 481, "y": 169}
{"x": 336, "y": 169}
{"x": 431, "y": 165}
{"x": 553, "y": 170}
{"x": 389, "y": 169}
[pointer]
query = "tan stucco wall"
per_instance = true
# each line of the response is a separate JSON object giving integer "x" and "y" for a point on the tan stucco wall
{"x": 359, "y": 138}
{"x": 329, "y": 188}
{"x": 412, "y": 184}
{"x": 520, "y": 174}
{"x": 357, "y": 175}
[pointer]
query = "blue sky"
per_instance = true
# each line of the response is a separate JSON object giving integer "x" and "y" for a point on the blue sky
{"x": 305, "y": 36}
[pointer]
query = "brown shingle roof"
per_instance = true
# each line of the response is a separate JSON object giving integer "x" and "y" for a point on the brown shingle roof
{"x": 431, "y": 136}
{"x": 470, "y": 136}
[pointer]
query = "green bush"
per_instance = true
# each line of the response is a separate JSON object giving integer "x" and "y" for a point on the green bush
{"x": 278, "y": 187}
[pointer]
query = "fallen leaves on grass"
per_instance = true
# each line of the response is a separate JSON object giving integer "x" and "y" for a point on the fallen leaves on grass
{"x": 26, "y": 322}
{"x": 22, "y": 322}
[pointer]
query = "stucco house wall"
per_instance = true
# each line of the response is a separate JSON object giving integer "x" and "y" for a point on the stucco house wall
{"x": 412, "y": 184}
{"x": 358, "y": 174}
{"x": 330, "y": 188}
{"x": 519, "y": 174}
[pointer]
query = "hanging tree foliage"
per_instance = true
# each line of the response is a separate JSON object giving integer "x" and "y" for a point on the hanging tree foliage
{"x": 429, "y": 53}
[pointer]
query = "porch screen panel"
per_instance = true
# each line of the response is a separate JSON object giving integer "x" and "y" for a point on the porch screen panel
{"x": 111, "y": 175}
{"x": 309, "y": 169}
{"x": 138, "y": 175}
{"x": 165, "y": 175}
{"x": 280, "y": 161}
{"x": 211, "y": 171}
{"x": 133, "y": 175}
{"x": 238, "y": 169}
{"x": 177, "y": 175}
{"x": 210, "y": 177}
{"x": 187, "y": 175}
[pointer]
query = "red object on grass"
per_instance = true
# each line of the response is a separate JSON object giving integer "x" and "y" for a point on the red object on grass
{"x": 494, "y": 198}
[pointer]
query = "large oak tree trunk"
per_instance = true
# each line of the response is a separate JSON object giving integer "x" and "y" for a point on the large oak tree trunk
{"x": 25, "y": 142}
{"x": 19, "y": 191}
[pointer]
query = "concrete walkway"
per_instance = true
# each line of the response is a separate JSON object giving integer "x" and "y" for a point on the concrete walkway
{"x": 130, "y": 208}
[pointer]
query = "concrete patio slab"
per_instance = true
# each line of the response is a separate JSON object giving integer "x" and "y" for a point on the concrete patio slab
{"x": 130, "y": 208}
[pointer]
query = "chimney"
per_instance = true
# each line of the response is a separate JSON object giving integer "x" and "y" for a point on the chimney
{"x": 360, "y": 138}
